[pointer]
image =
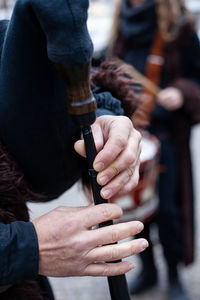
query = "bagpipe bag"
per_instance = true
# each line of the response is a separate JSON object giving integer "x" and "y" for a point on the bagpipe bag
{"x": 34, "y": 122}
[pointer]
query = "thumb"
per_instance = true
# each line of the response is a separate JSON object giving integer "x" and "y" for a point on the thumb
{"x": 79, "y": 147}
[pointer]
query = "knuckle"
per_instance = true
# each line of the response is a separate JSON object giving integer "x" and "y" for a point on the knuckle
{"x": 75, "y": 244}
{"x": 106, "y": 212}
{"x": 82, "y": 243}
{"x": 113, "y": 253}
{"x": 78, "y": 244}
{"x": 106, "y": 270}
{"x": 133, "y": 249}
{"x": 125, "y": 181}
{"x": 121, "y": 141}
{"x": 132, "y": 183}
{"x": 130, "y": 172}
{"x": 72, "y": 223}
{"x": 114, "y": 235}
{"x": 115, "y": 170}
{"x": 130, "y": 158}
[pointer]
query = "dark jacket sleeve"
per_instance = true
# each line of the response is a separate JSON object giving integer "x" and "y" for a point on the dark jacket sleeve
{"x": 189, "y": 82}
{"x": 18, "y": 252}
{"x": 107, "y": 104}
{"x": 191, "y": 94}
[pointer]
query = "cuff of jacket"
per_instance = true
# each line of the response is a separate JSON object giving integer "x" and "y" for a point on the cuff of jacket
{"x": 19, "y": 252}
{"x": 108, "y": 105}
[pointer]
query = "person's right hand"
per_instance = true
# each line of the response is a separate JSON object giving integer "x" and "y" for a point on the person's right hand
{"x": 170, "y": 98}
{"x": 68, "y": 246}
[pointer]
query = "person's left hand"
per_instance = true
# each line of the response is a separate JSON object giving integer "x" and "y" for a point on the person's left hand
{"x": 170, "y": 98}
{"x": 117, "y": 161}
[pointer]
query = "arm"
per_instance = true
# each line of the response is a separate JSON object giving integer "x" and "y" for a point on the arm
{"x": 189, "y": 82}
{"x": 74, "y": 251}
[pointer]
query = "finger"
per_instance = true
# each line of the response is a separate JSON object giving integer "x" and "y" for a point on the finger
{"x": 113, "y": 233}
{"x": 79, "y": 147}
{"x": 100, "y": 213}
{"x": 98, "y": 136}
{"x": 131, "y": 184}
{"x": 105, "y": 269}
{"x": 72, "y": 208}
{"x": 127, "y": 158}
{"x": 117, "y": 140}
{"x": 117, "y": 183}
{"x": 118, "y": 251}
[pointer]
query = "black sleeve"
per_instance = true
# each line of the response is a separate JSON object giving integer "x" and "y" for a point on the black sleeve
{"x": 18, "y": 252}
{"x": 189, "y": 82}
{"x": 190, "y": 60}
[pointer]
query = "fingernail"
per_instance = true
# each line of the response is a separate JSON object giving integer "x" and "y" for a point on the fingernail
{"x": 99, "y": 166}
{"x": 103, "y": 180}
{"x": 140, "y": 227}
{"x": 106, "y": 193}
{"x": 131, "y": 266}
{"x": 144, "y": 245}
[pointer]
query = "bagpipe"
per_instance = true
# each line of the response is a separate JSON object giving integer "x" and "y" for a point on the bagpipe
{"x": 46, "y": 101}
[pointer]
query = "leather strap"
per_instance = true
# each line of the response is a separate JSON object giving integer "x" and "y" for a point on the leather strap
{"x": 154, "y": 66}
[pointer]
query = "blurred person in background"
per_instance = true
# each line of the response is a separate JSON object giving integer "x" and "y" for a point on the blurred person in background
{"x": 159, "y": 39}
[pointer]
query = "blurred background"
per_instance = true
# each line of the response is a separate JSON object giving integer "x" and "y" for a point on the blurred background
{"x": 99, "y": 22}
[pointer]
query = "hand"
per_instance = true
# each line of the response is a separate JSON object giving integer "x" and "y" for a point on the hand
{"x": 170, "y": 98}
{"x": 117, "y": 161}
{"x": 69, "y": 247}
